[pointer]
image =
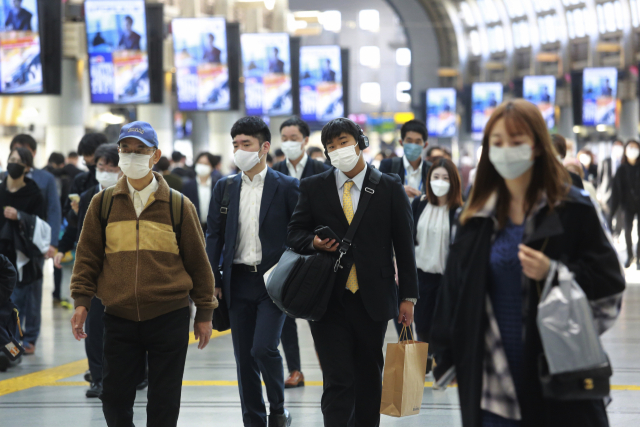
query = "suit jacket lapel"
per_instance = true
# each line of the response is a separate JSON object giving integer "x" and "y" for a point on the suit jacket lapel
{"x": 331, "y": 191}
{"x": 231, "y": 233}
{"x": 308, "y": 168}
{"x": 270, "y": 188}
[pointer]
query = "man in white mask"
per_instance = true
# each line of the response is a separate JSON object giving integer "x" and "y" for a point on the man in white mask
{"x": 294, "y": 133}
{"x": 252, "y": 240}
{"x": 350, "y": 336}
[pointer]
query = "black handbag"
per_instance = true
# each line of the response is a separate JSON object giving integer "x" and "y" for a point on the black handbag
{"x": 576, "y": 385}
{"x": 221, "y": 320}
{"x": 301, "y": 285}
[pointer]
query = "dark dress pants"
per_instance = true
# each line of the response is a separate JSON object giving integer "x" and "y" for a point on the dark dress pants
{"x": 57, "y": 282}
{"x": 429, "y": 284}
{"x": 164, "y": 341}
{"x": 349, "y": 345}
{"x": 629, "y": 216}
{"x": 290, "y": 344}
{"x": 95, "y": 335}
{"x": 256, "y": 325}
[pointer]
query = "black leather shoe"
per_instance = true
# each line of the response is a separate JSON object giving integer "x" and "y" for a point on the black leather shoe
{"x": 94, "y": 390}
{"x": 143, "y": 384}
{"x": 4, "y": 362}
{"x": 87, "y": 377}
{"x": 280, "y": 420}
{"x": 629, "y": 262}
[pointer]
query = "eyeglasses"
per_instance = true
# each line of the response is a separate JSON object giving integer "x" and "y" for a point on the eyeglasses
{"x": 123, "y": 150}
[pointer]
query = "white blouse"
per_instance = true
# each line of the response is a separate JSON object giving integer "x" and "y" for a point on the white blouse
{"x": 433, "y": 239}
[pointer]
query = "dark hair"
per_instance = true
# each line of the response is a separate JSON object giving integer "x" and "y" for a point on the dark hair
{"x": 56, "y": 158}
{"x": 549, "y": 176}
{"x": 252, "y": 126}
{"x": 213, "y": 160}
{"x": 433, "y": 148}
{"x": 560, "y": 144}
{"x": 337, "y": 127}
{"x": 25, "y": 155}
{"x": 90, "y": 142}
{"x": 313, "y": 150}
{"x": 454, "y": 198}
{"x": 108, "y": 152}
{"x": 176, "y": 156}
{"x": 303, "y": 127}
{"x": 73, "y": 155}
{"x": 279, "y": 153}
{"x": 414, "y": 126}
{"x": 163, "y": 164}
{"x": 24, "y": 140}
{"x": 624, "y": 156}
{"x": 269, "y": 158}
{"x": 128, "y": 18}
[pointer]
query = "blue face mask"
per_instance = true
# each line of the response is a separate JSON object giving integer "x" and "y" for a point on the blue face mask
{"x": 412, "y": 151}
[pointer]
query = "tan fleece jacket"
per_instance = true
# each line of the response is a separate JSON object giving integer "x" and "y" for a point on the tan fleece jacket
{"x": 140, "y": 273}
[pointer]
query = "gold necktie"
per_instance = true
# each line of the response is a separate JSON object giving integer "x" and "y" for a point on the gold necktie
{"x": 347, "y": 207}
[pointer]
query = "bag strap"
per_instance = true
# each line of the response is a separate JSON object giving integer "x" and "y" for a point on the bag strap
{"x": 347, "y": 240}
{"x": 106, "y": 203}
{"x": 176, "y": 207}
{"x": 224, "y": 208}
{"x": 396, "y": 164}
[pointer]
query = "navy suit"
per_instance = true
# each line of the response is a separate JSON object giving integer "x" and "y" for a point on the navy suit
{"x": 190, "y": 189}
{"x": 386, "y": 166}
{"x": 256, "y": 322}
{"x": 313, "y": 167}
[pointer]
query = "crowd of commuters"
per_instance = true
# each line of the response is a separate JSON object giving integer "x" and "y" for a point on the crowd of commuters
{"x": 149, "y": 236}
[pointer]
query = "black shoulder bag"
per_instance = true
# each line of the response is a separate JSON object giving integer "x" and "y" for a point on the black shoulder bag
{"x": 221, "y": 321}
{"x": 301, "y": 285}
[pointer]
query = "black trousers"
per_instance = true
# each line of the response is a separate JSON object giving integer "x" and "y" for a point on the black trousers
{"x": 93, "y": 344}
{"x": 429, "y": 284}
{"x": 57, "y": 282}
{"x": 126, "y": 343}
{"x": 629, "y": 216}
{"x": 349, "y": 345}
{"x": 290, "y": 344}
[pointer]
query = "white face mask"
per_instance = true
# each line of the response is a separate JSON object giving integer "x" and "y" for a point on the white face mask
{"x": 511, "y": 162}
{"x": 632, "y": 153}
{"x": 107, "y": 179}
{"x": 135, "y": 166}
{"x": 585, "y": 159}
{"x": 292, "y": 150}
{"x": 246, "y": 160}
{"x": 203, "y": 170}
{"x": 440, "y": 187}
{"x": 344, "y": 159}
{"x": 617, "y": 151}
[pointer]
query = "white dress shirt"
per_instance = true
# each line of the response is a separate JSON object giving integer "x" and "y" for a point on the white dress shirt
{"x": 296, "y": 171}
{"x": 140, "y": 198}
{"x": 204, "y": 198}
{"x": 248, "y": 246}
{"x": 358, "y": 182}
{"x": 433, "y": 239}
{"x": 412, "y": 177}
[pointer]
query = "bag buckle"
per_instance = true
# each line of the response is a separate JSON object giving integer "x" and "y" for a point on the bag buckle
{"x": 369, "y": 190}
{"x": 224, "y": 210}
{"x": 337, "y": 264}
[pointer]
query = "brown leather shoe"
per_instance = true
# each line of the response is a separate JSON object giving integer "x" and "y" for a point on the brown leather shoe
{"x": 29, "y": 349}
{"x": 296, "y": 379}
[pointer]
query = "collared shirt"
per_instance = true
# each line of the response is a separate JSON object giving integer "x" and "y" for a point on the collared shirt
{"x": 296, "y": 171}
{"x": 412, "y": 177}
{"x": 141, "y": 198}
{"x": 358, "y": 182}
{"x": 204, "y": 197}
{"x": 248, "y": 245}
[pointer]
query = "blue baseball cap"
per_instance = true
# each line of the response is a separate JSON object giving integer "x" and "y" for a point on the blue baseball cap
{"x": 141, "y": 131}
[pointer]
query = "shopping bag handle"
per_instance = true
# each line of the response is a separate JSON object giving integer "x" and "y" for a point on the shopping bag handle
{"x": 405, "y": 334}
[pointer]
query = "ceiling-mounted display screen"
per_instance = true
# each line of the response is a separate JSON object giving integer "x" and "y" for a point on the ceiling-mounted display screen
{"x": 485, "y": 97}
{"x": 321, "y": 88}
{"x": 20, "y": 62}
{"x": 266, "y": 62}
{"x": 599, "y": 89}
{"x": 117, "y": 47}
{"x": 441, "y": 112}
{"x": 200, "y": 58}
{"x": 541, "y": 91}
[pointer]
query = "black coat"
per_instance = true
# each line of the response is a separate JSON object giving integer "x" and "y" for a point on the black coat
{"x": 190, "y": 189}
{"x": 625, "y": 193}
{"x": 577, "y": 239}
{"x": 387, "y": 225}
{"x": 386, "y": 166}
{"x": 8, "y": 278}
{"x": 81, "y": 183}
{"x": 313, "y": 167}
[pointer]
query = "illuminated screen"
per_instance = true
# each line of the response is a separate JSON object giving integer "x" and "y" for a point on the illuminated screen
{"x": 117, "y": 47}
{"x": 599, "y": 86}
{"x": 266, "y": 65}
{"x": 485, "y": 97}
{"x": 20, "y": 64}
{"x": 441, "y": 112}
{"x": 320, "y": 83}
{"x": 200, "y": 58}
{"x": 541, "y": 91}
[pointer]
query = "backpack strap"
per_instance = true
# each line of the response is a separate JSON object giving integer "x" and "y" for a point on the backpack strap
{"x": 106, "y": 203}
{"x": 224, "y": 208}
{"x": 176, "y": 206}
{"x": 396, "y": 165}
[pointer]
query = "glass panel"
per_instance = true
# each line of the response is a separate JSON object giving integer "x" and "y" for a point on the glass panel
{"x": 370, "y": 93}
{"x": 602, "y": 26}
{"x": 467, "y": 15}
{"x": 488, "y": 10}
{"x": 524, "y": 34}
{"x": 609, "y": 16}
{"x": 370, "y": 56}
{"x": 515, "y": 28}
{"x": 401, "y": 96}
{"x": 617, "y": 6}
{"x": 403, "y": 56}
{"x": 331, "y": 20}
{"x": 499, "y": 36}
{"x": 515, "y": 8}
{"x": 634, "y": 12}
{"x": 474, "y": 38}
{"x": 579, "y": 16}
{"x": 571, "y": 28}
{"x": 551, "y": 22}
{"x": 369, "y": 20}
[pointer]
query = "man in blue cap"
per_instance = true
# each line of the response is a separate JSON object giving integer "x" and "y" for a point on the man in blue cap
{"x": 142, "y": 252}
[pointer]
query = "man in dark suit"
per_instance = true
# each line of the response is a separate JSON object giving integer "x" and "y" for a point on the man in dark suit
{"x": 276, "y": 65}
{"x": 212, "y": 53}
{"x": 606, "y": 172}
{"x": 261, "y": 204}
{"x": 350, "y": 336}
{"x": 130, "y": 40}
{"x": 411, "y": 168}
{"x": 328, "y": 75}
{"x": 560, "y": 144}
{"x": 18, "y": 19}
{"x": 295, "y": 137}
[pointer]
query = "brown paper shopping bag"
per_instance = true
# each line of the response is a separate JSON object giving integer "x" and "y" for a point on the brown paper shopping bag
{"x": 403, "y": 380}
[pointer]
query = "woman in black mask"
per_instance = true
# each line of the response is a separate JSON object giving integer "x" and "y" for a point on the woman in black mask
{"x": 23, "y": 233}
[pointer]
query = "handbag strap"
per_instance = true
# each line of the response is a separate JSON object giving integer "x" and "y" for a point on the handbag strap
{"x": 369, "y": 190}
{"x": 224, "y": 209}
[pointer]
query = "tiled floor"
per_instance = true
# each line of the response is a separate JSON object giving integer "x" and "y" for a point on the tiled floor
{"x": 207, "y": 399}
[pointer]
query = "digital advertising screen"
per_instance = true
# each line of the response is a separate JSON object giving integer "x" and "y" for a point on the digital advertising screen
{"x": 541, "y": 91}
{"x": 321, "y": 83}
{"x": 485, "y": 97}
{"x": 266, "y": 63}
{"x": 200, "y": 58}
{"x": 599, "y": 87}
{"x": 20, "y": 62}
{"x": 117, "y": 48}
{"x": 441, "y": 112}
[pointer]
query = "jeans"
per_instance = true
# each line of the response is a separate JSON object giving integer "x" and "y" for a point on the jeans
{"x": 28, "y": 299}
